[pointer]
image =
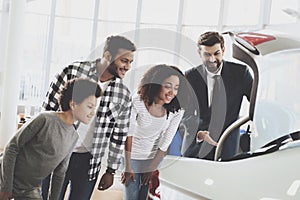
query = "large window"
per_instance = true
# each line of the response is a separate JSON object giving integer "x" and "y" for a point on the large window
{"x": 39, "y": 7}
{"x": 71, "y": 42}
{"x": 106, "y": 29}
{"x": 242, "y": 12}
{"x": 118, "y": 10}
{"x": 201, "y": 12}
{"x": 284, "y": 12}
{"x": 32, "y": 69}
{"x": 75, "y": 8}
{"x": 1, "y": 55}
{"x": 159, "y": 12}
{"x": 59, "y": 32}
{"x": 1, "y": 9}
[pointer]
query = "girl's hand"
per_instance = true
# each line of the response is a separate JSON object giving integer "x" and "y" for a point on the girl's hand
{"x": 146, "y": 177}
{"x": 126, "y": 176}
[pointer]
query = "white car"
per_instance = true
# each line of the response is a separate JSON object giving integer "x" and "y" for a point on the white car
{"x": 269, "y": 173}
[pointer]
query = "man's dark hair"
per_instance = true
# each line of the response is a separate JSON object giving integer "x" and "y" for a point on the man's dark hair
{"x": 77, "y": 90}
{"x": 114, "y": 43}
{"x": 151, "y": 84}
{"x": 210, "y": 38}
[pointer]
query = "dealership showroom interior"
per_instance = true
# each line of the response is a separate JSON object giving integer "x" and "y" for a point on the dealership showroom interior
{"x": 191, "y": 99}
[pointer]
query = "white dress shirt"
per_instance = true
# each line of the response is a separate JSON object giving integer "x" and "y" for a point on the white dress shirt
{"x": 210, "y": 85}
{"x": 211, "y": 82}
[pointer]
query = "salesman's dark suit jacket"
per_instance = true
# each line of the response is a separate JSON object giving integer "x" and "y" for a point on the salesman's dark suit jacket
{"x": 237, "y": 82}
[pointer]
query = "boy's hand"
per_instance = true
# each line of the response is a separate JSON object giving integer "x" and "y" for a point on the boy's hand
{"x": 5, "y": 195}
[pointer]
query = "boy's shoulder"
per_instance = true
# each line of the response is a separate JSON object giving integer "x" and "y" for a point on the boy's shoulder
{"x": 41, "y": 119}
{"x": 46, "y": 115}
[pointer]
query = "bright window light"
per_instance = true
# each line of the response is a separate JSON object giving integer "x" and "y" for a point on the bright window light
{"x": 40, "y": 6}
{"x": 112, "y": 28}
{"x": 242, "y": 12}
{"x": 71, "y": 41}
{"x": 160, "y": 12}
{"x": 1, "y": 6}
{"x": 31, "y": 87}
{"x": 193, "y": 32}
{"x": 118, "y": 10}
{"x": 201, "y": 12}
{"x": 73, "y": 30}
{"x": 278, "y": 16}
{"x": 75, "y": 8}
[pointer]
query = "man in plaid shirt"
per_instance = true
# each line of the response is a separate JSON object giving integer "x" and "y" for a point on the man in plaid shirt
{"x": 109, "y": 128}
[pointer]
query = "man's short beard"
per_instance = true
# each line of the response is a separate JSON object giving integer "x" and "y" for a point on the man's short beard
{"x": 217, "y": 68}
{"x": 113, "y": 69}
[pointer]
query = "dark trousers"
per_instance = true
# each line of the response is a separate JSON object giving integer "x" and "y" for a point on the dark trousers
{"x": 77, "y": 176}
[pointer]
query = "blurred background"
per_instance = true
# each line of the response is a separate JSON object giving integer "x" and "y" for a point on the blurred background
{"x": 40, "y": 37}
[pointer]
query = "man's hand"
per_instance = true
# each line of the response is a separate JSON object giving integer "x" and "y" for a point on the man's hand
{"x": 106, "y": 181}
{"x": 5, "y": 195}
{"x": 204, "y": 135}
{"x": 126, "y": 176}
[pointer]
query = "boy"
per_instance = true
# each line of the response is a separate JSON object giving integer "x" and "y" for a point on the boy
{"x": 107, "y": 131}
{"x": 44, "y": 145}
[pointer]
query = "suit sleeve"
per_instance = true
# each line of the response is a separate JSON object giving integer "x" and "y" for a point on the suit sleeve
{"x": 247, "y": 83}
{"x": 189, "y": 102}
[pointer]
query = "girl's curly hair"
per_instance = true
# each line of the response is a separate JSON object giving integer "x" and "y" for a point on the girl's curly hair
{"x": 151, "y": 84}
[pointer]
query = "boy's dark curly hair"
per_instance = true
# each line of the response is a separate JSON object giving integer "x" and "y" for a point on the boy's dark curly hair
{"x": 77, "y": 90}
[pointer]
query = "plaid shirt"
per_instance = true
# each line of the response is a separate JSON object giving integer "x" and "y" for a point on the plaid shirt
{"x": 113, "y": 114}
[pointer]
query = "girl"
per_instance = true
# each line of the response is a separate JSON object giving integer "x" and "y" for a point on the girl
{"x": 155, "y": 116}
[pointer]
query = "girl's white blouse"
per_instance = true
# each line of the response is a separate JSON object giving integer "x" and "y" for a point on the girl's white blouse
{"x": 150, "y": 133}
